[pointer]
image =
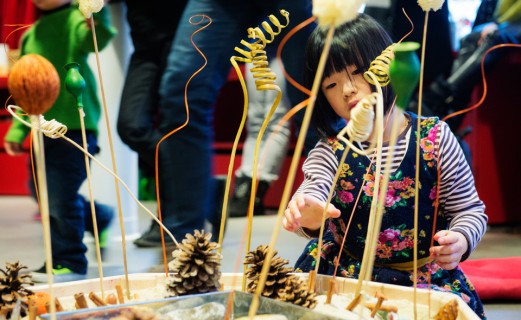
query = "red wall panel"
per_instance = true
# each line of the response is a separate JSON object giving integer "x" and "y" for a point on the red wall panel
{"x": 494, "y": 141}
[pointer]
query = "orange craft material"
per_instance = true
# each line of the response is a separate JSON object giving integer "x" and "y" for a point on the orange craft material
{"x": 34, "y": 83}
{"x": 40, "y": 299}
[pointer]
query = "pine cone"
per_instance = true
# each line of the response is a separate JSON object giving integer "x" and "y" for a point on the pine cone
{"x": 12, "y": 288}
{"x": 448, "y": 312}
{"x": 277, "y": 274}
{"x": 296, "y": 292}
{"x": 196, "y": 266}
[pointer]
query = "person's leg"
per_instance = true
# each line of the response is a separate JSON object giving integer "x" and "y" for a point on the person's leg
{"x": 137, "y": 113}
{"x": 151, "y": 32}
{"x": 137, "y": 118}
{"x": 272, "y": 148}
{"x": 104, "y": 216}
{"x": 65, "y": 170}
{"x": 271, "y": 153}
{"x": 185, "y": 157}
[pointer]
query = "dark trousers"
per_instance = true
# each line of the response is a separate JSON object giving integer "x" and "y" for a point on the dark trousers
{"x": 185, "y": 158}
{"x": 70, "y": 213}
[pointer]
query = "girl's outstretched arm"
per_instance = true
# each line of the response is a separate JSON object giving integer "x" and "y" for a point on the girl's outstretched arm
{"x": 305, "y": 211}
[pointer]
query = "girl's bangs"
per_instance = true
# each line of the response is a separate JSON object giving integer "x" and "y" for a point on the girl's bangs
{"x": 343, "y": 53}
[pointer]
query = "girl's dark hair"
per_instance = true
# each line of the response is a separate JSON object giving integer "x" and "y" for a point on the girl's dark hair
{"x": 357, "y": 42}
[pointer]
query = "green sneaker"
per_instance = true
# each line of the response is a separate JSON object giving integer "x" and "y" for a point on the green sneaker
{"x": 60, "y": 274}
{"x": 146, "y": 187}
{"x": 103, "y": 237}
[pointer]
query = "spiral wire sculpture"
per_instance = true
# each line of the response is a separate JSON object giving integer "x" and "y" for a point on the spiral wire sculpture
{"x": 380, "y": 67}
{"x": 253, "y": 52}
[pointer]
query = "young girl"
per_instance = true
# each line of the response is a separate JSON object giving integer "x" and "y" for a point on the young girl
{"x": 461, "y": 220}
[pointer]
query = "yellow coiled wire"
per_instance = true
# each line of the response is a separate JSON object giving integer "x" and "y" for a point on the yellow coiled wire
{"x": 253, "y": 52}
{"x": 380, "y": 67}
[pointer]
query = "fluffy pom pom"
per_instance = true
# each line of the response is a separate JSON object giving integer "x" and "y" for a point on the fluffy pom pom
{"x": 427, "y": 5}
{"x": 336, "y": 12}
{"x": 88, "y": 7}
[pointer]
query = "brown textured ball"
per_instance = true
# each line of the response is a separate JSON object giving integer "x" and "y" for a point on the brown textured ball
{"x": 34, "y": 83}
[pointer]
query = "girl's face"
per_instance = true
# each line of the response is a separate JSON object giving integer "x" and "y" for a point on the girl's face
{"x": 46, "y": 5}
{"x": 344, "y": 89}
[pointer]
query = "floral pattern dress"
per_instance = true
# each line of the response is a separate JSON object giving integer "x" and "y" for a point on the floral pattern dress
{"x": 394, "y": 250}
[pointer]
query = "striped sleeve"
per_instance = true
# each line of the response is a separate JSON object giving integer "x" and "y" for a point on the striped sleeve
{"x": 458, "y": 196}
{"x": 319, "y": 171}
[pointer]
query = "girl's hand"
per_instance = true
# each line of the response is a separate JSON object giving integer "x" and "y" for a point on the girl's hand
{"x": 13, "y": 148}
{"x": 306, "y": 211}
{"x": 452, "y": 246}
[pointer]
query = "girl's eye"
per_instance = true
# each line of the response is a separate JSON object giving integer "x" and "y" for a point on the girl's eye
{"x": 358, "y": 71}
{"x": 330, "y": 86}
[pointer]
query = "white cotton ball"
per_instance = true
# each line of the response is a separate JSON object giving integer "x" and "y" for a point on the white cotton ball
{"x": 427, "y": 5}
{"x": 88, "y": 7}
{"x": 336, "y": 12}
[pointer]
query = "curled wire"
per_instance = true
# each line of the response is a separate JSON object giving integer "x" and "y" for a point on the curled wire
{"x": 50, "y": 128}
{"x": 255, "y": 53}
{"x": 257, "y": 33}
{"x": 264, "y": 80}
{"x": 264, "y": 77}
{"x": 380, "y": 67}
{"x": 257, "y": 47}
{"x": 361, "y": 125}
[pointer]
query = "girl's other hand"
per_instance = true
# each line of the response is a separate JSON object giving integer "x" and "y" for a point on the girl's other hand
{"x": 306, "y": 211}
{"x": 452, "y": 246}
{"x": 13, "y": 148}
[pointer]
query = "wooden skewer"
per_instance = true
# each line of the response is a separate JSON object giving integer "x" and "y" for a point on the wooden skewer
{"x": 331, "y": 290}
{"x": 32, "y": 312}
{"x": 354, "y": 303}
{"x": 311, "y": 280}
{"x": 121, "y": 297}
{"x": 113, "y": 158}
{"x": 383, "y": 307}
{"x": 97, "y": 300}
{"x": 31, "y": 306}
{"x": 81, "y": 302}
{"x": 57, "y": 305}
{"x": 378, "y": 304}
